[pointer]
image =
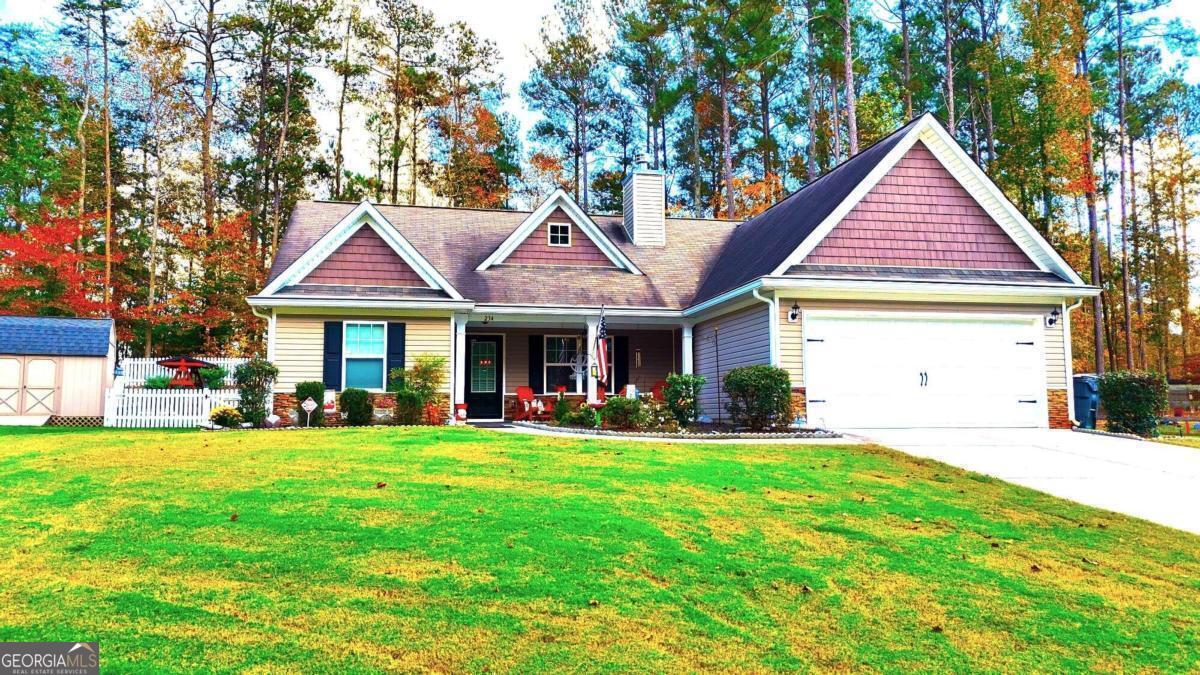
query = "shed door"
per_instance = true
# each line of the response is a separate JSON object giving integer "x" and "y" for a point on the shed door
{"x": 924, "y": 371}
{"x": 10, "y": 385}
{"x": 41, "y": 380}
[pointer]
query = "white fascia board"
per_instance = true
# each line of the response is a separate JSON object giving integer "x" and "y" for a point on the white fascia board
{"x": 365, "y": 214}
{"x": 929, "y": 288}
{"x": 350, "y": 303}
{"x": 723, "y": 298}
{"x": 559, "y": 199}
{"x": 578, "y": 310}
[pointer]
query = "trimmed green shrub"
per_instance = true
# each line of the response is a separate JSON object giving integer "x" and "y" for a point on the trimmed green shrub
{"x": 759, "y": 396}
{"x": 157, "y": 382}
{"x": 682, "y": 395}
{"x": 580, "y": 415}
{"x": 1133, "y": 401}
{"x": 355, "y": 406}
{"x": 409, "y": 407}
{"x": 624, "y": 413}
{"x": 254, "y": 379}
{"x": 315, "y": 391}
{"x": 213, "y": 378}
{"x": 225, "y": 416}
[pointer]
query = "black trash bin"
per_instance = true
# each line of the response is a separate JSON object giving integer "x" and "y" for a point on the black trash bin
{"x": 1087, "y": 400}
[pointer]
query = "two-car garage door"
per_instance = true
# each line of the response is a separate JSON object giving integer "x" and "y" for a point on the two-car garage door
{"x": 929, "y": 370}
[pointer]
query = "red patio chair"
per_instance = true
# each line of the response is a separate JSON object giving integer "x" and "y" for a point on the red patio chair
{"x": 656, "y": 392}
{"x": 525, "y": 407}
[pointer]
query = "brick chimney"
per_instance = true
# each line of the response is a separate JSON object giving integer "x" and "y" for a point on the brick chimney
{"x": 645, "y": 206}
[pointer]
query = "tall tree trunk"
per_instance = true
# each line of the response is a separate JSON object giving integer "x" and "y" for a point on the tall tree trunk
{"x": 764, "y": 120}
{"x": 338, "y": 158}
{"x": 1122, "y": 130}
{"x": 79, "y": 129}
{"x": 835, "y": 121}
{"x": 948, "y": 44}
{"x": 1185, "y": 259}
{"x": 726, "y": 150}
{"x": 810, "y": 64}
{"x": 848, "y": 76}
{"x": 1093, "y": 225}
{"x": 414, "y": 137}
{"x": 210, "y": 105}
{"x": 108, "y": 182}
{"x": 906, "y": 60}
{"x": 1135, "y": 239}
{"x": 277, "y": 196}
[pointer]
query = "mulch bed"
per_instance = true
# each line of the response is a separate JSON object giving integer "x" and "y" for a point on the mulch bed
{"x": 707, "y": 433}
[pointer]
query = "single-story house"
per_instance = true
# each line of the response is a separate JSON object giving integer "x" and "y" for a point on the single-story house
{"x": 901, "y": 288}
{"x": 54, "y": 366}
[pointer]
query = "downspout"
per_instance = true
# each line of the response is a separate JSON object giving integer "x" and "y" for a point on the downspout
{"x": 773, "y": 324}
{"x": 270, "y": 356}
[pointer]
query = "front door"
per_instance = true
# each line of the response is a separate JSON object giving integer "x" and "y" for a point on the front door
{"x": 485, "y": 385}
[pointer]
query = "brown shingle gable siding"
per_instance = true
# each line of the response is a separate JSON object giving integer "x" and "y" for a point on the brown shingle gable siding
{"x": 918, "y": 215}
{"x": 536, "y": 249}
{"x": 365, "y": 259}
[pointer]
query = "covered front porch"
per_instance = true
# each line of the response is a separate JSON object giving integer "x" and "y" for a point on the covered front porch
{"x": 496, "y": 355}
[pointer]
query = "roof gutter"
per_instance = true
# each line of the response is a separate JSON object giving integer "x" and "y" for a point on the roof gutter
{"x": 357, "y": 303}
{"x": 938, "y": 288}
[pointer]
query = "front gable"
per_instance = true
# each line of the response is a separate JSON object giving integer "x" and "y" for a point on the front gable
{"x": 365, "y": 259}
{"x": 938, "y": 209}
{"x": 585, "y": 244}
{"x": 575, "y": 248}
{"x": 350, "y": 254}
{"x": 919, "y": 215}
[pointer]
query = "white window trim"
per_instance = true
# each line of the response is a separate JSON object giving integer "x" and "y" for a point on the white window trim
{"x": 579, "y": 381}
{"x": 345, "y": 353}
{"x": 550, "y": 234}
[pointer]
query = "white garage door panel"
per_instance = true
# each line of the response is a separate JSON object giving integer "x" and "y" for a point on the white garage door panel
{"x": 907, "y": 371}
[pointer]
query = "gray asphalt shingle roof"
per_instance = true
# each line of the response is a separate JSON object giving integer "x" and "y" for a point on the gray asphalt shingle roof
{"x": 54, "y": 336}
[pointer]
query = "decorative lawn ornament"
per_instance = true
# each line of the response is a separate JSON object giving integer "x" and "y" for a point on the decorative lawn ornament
{"x": 186, "y": 369}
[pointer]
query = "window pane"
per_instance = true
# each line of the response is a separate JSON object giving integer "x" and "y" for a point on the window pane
{"x": 483, "y": 367}
{"x": 560, "y": 234}
{"x": 561, "y": 350}
{"x": 364, "y": 373}
{"x": 364, "y": 339}
{"x": 560, "y": 376}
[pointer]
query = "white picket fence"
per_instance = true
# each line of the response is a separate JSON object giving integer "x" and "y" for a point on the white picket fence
{"x": 163, "y": 407}
{"x": 137, "y": 370}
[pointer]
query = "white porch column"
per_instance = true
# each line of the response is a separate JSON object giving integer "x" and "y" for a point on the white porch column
{"x": 593, "y": 327}
{"x": 460, "y": 359}
{"x": 686, "y": 350}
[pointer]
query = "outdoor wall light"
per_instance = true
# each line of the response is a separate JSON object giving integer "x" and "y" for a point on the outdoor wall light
{"x": 1053, "y": 317}
{"x": 794, "y": 313}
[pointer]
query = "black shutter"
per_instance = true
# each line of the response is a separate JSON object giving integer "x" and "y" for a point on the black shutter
{"x": 332, "y": 372}
{"x": 620, "y": 359}
{"x": 537, "y": 356}
{"x": 395, "y": 349}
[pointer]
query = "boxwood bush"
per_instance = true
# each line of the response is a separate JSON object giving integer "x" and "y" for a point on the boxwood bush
{"x": 682, "y": 395}
{"x": 355, "y": 406}
{"x": 760, "y": 397}
{"x": 1133, "y": 401}
{"x": 315, "y": 391}
{"x": 624, "y": 413}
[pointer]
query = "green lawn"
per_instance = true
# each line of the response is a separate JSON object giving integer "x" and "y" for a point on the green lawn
{"x": 487, "y": 551}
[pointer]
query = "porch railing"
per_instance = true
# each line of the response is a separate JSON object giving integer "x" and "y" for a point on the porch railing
{"x": 137, "y": 370}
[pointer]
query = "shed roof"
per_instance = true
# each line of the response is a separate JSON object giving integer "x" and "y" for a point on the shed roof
{"x": 54, "y": 336}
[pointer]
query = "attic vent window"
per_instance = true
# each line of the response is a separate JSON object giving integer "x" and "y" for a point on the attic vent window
{"x": 560, "y": 234}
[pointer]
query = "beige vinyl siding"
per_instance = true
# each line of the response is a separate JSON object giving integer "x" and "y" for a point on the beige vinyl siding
{"x": 740, "y": 338}
{"x": 791, "y": 337}
{"x": 300, "y": 344}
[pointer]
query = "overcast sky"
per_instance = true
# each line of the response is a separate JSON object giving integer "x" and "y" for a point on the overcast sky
{"x": 511, "y": 24}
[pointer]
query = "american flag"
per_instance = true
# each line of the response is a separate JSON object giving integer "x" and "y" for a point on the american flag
{"x": 602, "y": 350}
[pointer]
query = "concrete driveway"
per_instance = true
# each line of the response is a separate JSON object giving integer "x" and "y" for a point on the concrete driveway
{"x": 1155, "y": 481}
